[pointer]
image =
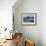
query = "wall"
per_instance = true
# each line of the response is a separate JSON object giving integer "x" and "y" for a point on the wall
{"x": 6, "y": 16}
{"x": 29, "y": 32}
{"x": 43, "y": 22}
{"x": 6, "y": 13}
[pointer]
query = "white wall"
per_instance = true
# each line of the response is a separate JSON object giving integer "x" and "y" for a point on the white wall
{"x": 6, "y": 13}
{"x": 31, "y": 32}
{"x": 43, "y": 22}
{"x": 37, "y": 33}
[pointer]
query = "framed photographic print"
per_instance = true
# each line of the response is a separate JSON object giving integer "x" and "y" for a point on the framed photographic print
{"x": 29, "y": 18}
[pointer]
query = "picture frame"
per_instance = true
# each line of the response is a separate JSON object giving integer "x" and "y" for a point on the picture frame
{"x": 29, "y": 19}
